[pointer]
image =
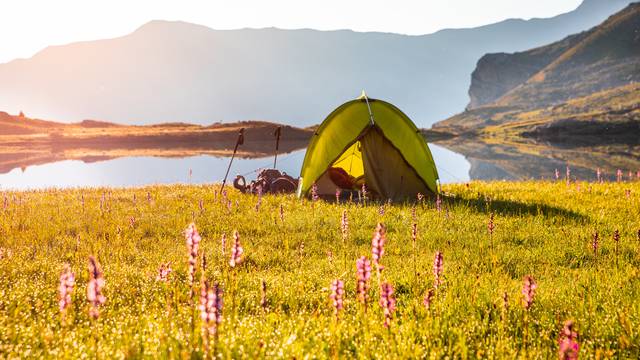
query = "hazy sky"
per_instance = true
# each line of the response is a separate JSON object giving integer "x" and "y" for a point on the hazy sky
{"x": 27, "y": 26}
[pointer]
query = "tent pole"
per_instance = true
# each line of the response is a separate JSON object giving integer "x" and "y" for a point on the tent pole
{"x": 240, "y": 141}
{"x": 366, "y": 98}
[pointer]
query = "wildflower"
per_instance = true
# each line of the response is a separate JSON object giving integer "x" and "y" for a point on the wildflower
{"x": 595, "y": 243}
{"x": 414, "y": 215}
{"x": 337, "y": 294}
{"x": 557, "y": 174}
{"x": 211, "y": 307}
{"x": 67, "y": 282}
{"x": 627, "y": 193}
{"x": 344, "y": 225}
{"x": 529, "y": 287}
{"x": 387, "y": 302}
{"x": 223, "y": 244}
{"x": 259, "y": 198}
{"x": 263, "y": 295}
{"x": 491, "y": 226}
{"x": 301, "y": 250}
{"x": 414, "y": 234}
{"x": 236, "y": 251}
{"x": 568, "y": 175}
{"x": 377, "y": 245}
{"x": 132, "y": 222}
{"x": 419, "y": 197}
{"x": 314, "y": 192}
{"x": 438, "y": 203}
{"x": 619, "y": 175}
{"x": 163, "y": 272}
{"x": 363, "y": 275}
{"x": 229, "y": 205}
{"x": 364, "y": 192}
{"x": 428, "y": 297}
{"x": 148, "y": 197}
{"x": 381, "y": 210}
{"x": 94, "y": 287}
{"x": 505, "y": 301}
{"x": 438, "y": 268}
{"x": 616, "y": 239}
{"x": 201, "y": 205}
{"x": 193, "y": 243}
{"x": 598, "y": 175}
{"x": 338, "y": 192}
{"x": 568, "y": 347}
{"x": 281, "y": 213}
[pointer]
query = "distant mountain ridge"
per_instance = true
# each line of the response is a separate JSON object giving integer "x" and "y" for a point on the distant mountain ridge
{"x": 586, "y": 82}
{"x": 179, "y": 72}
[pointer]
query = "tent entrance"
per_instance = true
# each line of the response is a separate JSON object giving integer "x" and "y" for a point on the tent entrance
{"x": 372, "y": 160}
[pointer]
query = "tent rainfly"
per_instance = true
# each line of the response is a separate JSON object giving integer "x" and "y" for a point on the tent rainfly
{"x": 371, "y": 142}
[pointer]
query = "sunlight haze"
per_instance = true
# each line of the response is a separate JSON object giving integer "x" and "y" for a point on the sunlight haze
{"x": 34, "y": 25}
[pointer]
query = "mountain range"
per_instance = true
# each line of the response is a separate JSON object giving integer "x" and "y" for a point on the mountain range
{"x": 587, "y": 84}
{"x": 176, "y": 71}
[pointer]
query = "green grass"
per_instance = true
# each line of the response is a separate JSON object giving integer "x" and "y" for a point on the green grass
{"x": 542, "y": 228}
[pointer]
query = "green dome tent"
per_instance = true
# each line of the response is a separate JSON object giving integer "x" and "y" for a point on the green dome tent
{"x": 372, "y": 142}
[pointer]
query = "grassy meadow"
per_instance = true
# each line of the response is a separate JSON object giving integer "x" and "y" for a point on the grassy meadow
{"x": 542, "y": 229}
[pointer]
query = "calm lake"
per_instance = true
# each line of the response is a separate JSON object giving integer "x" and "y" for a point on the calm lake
{"x": 137, "y": 171}
{"x": 457, "y": 160}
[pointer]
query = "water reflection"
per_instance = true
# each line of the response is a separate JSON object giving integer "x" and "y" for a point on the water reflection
{"x": 522, "y": 160}
{"x": 457, "y": 160}
{"x": 142, "y": 170}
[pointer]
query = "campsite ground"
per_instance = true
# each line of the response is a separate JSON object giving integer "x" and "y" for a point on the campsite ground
{"x": 542, "y": 229}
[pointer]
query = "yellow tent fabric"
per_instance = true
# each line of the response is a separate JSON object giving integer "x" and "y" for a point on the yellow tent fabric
{"x": 342, "y": 138}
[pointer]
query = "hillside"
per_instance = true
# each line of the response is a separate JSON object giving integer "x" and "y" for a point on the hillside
{"x": 585, "y": 84}
{"x": 170, "y": 71}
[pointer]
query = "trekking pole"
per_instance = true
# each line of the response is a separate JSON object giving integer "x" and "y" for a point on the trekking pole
{"x": 240, "y": 141}
{"x": 277, "y": 135}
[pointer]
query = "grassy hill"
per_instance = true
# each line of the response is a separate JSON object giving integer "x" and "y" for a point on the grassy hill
{"x": 585, "y": 85}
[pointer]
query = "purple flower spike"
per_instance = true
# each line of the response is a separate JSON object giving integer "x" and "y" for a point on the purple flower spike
{"x": 337, "y": 296}
{"x": 387, "y": 302}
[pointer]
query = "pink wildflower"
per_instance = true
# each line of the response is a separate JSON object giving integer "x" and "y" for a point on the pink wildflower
{"x": 529, "y": 287}
{"x": 568, "y": 347}
{"x": 344, "y": 225}
{"x": 94, "y": 287}
{"x": 619, "y": 175}
{"x": 557, "y": 175}
{"x": 438, "y": 268}
{"x": 236, "y": 251}
{"x": 377, "y": 245}
{"x": 163, "y": 272}
{"x": 363, "y": 275}
{"x": 211, "y": 307}
{"x": 223, "y": 244}
{"x": 438, "y": 203}
{"x": 193, "y": 243}
{"x": 67, "y": 282}
{"x": 336, "y": 296}
{"x": 338, "y": 192}
{"x": 387, "y": 302}
{"x": 428, "y": 297}
{"x": 314, "y": 192}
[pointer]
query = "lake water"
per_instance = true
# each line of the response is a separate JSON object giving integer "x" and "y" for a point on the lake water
{"x": 137, "y": 171}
